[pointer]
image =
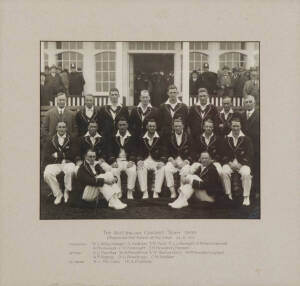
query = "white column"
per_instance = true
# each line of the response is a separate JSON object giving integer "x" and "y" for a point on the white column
{"x": 213, "y": 58}
{"x": 89, "y": 70}
{"x": 177, "y": 66}
{"x": 250, "y": 48}
{"x": 51, "y": 51}
{"x": 42, "y": 57}
{"x": 119, "y": 70}
{"x": 185, "y": 72}
{"x": 125, "y": 74}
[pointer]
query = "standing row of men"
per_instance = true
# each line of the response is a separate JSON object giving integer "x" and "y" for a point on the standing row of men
{"x": 205, "y": 146}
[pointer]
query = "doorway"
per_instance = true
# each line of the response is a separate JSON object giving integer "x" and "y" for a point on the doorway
{"x": 154, "y": 72}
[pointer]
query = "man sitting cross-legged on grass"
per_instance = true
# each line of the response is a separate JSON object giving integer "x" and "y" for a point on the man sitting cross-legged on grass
{"x": 93, "y": 180}
{"x": 203, "y": 180}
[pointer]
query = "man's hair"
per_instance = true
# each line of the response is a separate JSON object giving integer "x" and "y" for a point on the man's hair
{"x": 172, "y": 86}
{"x": 236, "y": 119}
{"x": 209, "y": 120}
{"x": 113, "y": 89}
{"x": 93, "y": 122}
{"x": 178, "y": 119}
{"x": 61, "y": 93}
{"x": 90, "y": 150}
{"x": 143, "y": 91}
{"x": 122, "y": 118}
{"x": 61, "y": 121}
{"x": 225, "y": 97}
{"x": 202, "y": 89}
{"x": 151, "y": 120}
{"x": 205, "y": 152}
{"x": 250, "y": 96}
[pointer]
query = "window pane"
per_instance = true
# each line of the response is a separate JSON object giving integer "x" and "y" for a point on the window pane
{"x": 98, "y": 66}
{"x": 112, "y": 76}
{"x": 58, "y": 45}
{"x": 197, "y": 56}
{"x": 72, "y": 45}
{"x": 147, "y": 46}
{"x": 73, "y": 56}
{"x": 79, "y": 57}
{"x": 65, "y": 65}
{"x": 163, "y": 46}
{"x": 105, "y": 76}
{"x": 112, "y": 45}
{"x": 140, "y": 46}
{"x": 59, "y": 64}
{"x": 105, "y": 86}
{"x": 132, "y": 45}
{"x": 105, "y": 56}
{"x": 59, "y": 57}
{"x": 98, "y": 87}
{"x": 105, "y": 66}
{"x": 65, "y": 45}
{"x": 79, "y": 45}
{"x": 111, "y": 66}
{"x": 154, "y": 45}
{"x": 112, "y": 56}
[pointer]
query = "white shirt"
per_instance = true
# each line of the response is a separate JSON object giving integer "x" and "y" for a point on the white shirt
{"x": 150, "y": 140}
{"x": 178, "y": 138}
{"x": 207, "y": 140}
{"x": 93, "y": 139}
{"x": 60, "y": 110}
{"x": 226, "y": 114}
{"x": 144, "y": 109}
{"x": 249, "y": 113}
{"x": 173, "y": 105}
{"x": 93, "y": 168}
{"x": 61, "y": 139}
{"x": 235, "y": 140}
{"x": 89, "y": 111}
{"x": 122, "y": 154}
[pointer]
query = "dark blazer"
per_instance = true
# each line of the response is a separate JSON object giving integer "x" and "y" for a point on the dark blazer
{"x": 225, "y": 124}
{"x": 194, "y": 86}
{"x": 136, "y": 124}
{"x": 156, "y": 150}
{"x": 83, "y": 121}
{"x": 106, "y": 123}
{"x": 66, "y": 152}
{"x": 196, "y": 122}
{"x": 250, "y": 128}
{"x": 53, "y": 85}
{"x": 209, "y": 81}
{"x": 183, "y": 150}
{"x": 76, "y": 83}
{"x": 213, "y": 148}
{"x": 100, "y": 147}
{"x": 129, "y": 147}
{"x": 165, "y": 119}
{"x": 243, "y": 151}
{"x": 52, "y": 118}
{"x": 210, "y": 180}
{"x": 86, "y": 177}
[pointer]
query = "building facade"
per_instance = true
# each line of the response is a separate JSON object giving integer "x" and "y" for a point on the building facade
{"x": 114, "y": 64}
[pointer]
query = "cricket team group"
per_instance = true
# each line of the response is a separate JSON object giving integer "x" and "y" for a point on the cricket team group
{"x": 202, "y": 145}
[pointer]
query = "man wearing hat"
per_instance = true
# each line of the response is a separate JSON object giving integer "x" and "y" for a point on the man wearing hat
{"x": 76, "y": 82}
{"x": 224, "y": 83}
{"x": 53, "y": 84}
{"x": 208, "y": 80}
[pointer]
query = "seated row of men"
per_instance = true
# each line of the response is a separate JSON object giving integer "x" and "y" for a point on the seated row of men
{"x": 204, "y": 164}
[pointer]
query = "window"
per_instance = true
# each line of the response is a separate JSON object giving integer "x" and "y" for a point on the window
{"x": 232, "y": 60}
{"x": 151, "y": 45}
{"x": 105, "y": 71}
{"x": 197, "y": 60}
{"x": 45, "y": 45}
{"x": 69, "y": 45}
{"x": 256, "y": 45}
{"x": 65, "y": 59}
{"x": 46, "y": 60}
{"x": 196, "y": 46}
{"x": 105, "y": 45}
{"x": 232, "y": 45}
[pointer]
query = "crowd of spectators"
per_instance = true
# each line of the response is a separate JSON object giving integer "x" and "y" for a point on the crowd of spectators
{"x": 236, "y": 82}
{"x": 55, "y": 80}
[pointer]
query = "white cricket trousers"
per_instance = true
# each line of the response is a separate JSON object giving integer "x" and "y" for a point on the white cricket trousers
{"x": 142, "y": 173}
{"x": 246, "y": 177}
{"x": 170, "y": 170}
{"x": 131, "y": 173}
{"x": 90, "y": 193}
{"x": 52, "y": 170}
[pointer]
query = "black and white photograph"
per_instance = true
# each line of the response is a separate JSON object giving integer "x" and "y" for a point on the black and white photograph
{"x": 149, "y": 130}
